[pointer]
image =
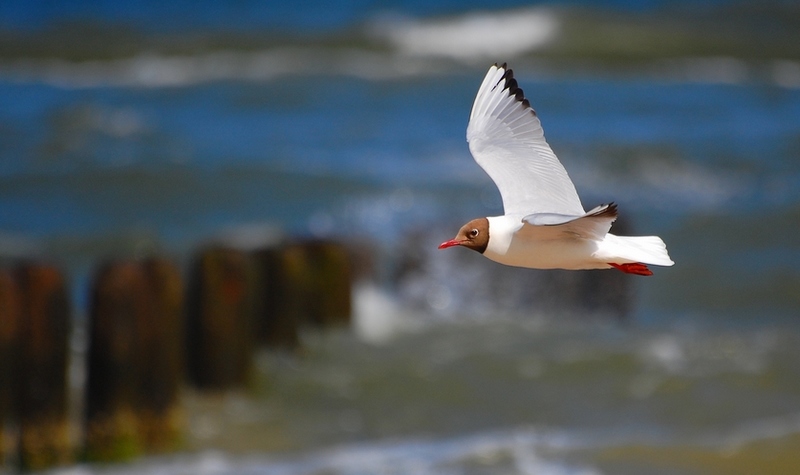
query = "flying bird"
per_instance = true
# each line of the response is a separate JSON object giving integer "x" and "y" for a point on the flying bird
{"x": 544, "y": 225}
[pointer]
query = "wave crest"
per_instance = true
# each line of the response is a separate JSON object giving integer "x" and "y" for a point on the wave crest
{"x": 474, "y": 36}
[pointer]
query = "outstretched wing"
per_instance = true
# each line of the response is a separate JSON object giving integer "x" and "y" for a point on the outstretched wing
{"x": 592, "y": 225}
{"x": 507, "y": 140}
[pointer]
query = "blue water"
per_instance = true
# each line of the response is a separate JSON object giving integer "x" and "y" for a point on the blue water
{"x": 134, "y": 127}
{"x": 179, "y": 164}
{"x": 310, "y": 16}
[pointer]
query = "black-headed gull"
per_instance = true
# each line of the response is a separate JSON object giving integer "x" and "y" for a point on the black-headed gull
{"x": 544, "y": 225}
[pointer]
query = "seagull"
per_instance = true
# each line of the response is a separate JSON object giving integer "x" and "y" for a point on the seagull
{"x": 544, "y": 225}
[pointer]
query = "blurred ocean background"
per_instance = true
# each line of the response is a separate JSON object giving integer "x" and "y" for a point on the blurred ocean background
{"x": 139, "y": 126}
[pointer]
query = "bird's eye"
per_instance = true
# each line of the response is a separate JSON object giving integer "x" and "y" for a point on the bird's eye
{"x": 474, "y": 233}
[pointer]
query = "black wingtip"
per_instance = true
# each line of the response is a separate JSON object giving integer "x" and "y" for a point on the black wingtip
{"x": 606, "y": 210}
{"x": 513, "y": 88}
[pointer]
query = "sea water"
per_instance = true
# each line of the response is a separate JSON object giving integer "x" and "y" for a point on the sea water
{"x": 507, "y": 396}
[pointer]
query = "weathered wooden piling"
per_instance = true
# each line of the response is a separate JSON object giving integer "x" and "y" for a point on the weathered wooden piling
{"x": 303, "y": 282}
{"x": 221, "y": 306}
{"x": 43, "y": 353}
{"x": 323, "y": 268}
{"x": 10, "y": 321}
{"x": 279, "y": 302}
{"x": 160, "y": 416}
{"x": 135, "y": 360}
{"x": 145, "y": 335}
{"x": 120, "y": 309}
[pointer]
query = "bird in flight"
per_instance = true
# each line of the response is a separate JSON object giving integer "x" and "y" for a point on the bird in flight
{"x": 544, "y": 225}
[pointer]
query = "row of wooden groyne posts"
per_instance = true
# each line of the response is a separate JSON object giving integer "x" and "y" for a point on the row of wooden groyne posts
{"x": 151, "y": 329}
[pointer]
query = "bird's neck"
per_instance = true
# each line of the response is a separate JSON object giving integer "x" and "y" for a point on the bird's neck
{"x": 501, "y": 232}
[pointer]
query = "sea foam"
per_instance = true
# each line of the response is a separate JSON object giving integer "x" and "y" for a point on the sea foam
{"x": 475, "y": 36}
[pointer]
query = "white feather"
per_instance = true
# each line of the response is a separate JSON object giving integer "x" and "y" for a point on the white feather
{"x": 506, "y": 139}
{"x": 644, "y": 249}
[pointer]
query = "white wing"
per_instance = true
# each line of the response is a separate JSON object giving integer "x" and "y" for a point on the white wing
{"x": 507, "y": 141}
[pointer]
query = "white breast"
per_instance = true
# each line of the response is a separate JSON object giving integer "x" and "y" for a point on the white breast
{"x": 507, "y": 247}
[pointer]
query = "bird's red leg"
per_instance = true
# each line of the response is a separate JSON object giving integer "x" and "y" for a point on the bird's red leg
{"x": 632, "y": 268}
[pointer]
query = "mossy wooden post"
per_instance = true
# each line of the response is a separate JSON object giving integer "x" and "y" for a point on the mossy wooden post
{"x": 10, "y": 339}
{"x": 162, "y": 352}
{"x": 120, "y": 306}
{"x": 330, "y": 279}
{"x": 317, "y": 277}
{"x": 280, "y": 301}
{"x": 45, "y": 328}
{"x": 220, "y": 318}
{"x": 303, "y": 282}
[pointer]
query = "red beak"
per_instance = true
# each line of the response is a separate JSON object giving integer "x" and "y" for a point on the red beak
{"x": 449, "y": 243}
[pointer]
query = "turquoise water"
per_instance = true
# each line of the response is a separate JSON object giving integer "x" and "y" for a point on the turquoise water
{"x": 123, "y": 131}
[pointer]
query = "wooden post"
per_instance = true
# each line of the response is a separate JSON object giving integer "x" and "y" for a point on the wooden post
{"x": 44, "y": 426}
{"x": 135, "y": 360}
{"x": 160, "y": 416}
{"x": 280, "y": 301}
{"x": 330, "y": 278}
{"x": 10, "y": 321}
{"x": 221, "y": 306}
{"x": 120, "y": 307}
{"x": 305, "y": 282}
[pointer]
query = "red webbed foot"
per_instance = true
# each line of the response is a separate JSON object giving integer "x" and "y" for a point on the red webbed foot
{"x": 632, "y": 268}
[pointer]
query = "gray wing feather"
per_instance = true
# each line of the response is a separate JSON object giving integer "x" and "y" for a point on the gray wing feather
{"x": 592, "y": 225}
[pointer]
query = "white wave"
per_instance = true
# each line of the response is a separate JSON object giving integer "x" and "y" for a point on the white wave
{"x": 154, "y": 70}
{"x": 474, "y": 36}
{"x": 158, "y": 71}
{"x": 519, "y": 451}
{"x": 659, "y": 182}
{"x": 786, "y": 73}
{"x": 513, "y": 452}
{"x": 250, "y": 236}
{"x": 378, "y": 317}
{"x": 763, "y": 429}
{"x": 419, "y": 48}
{"x": 727, "y": 70}
{"x": 705, "y": 70}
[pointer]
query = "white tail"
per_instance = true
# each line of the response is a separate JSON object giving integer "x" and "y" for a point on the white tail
{"x": 644, "y": 249}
